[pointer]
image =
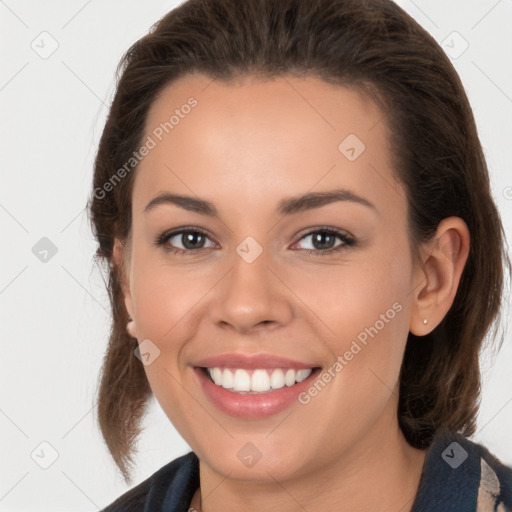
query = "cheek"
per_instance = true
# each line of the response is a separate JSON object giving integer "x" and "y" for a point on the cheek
{"x": 348, "y": 299}
{"x": 168, "y": 303}
{"x": 163, "y": 295}
{"x": 164, "y": 299}
{"x": 365, "y": 311}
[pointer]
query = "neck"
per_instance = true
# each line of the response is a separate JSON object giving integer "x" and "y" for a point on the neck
{"x": 380, "y": 475}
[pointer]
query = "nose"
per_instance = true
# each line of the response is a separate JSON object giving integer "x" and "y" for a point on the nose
{"x": 252, "y": 297}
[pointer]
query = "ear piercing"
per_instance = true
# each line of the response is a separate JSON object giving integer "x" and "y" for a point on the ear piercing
{"x": 425, "y": 321}
{"x": 130, "y": 327}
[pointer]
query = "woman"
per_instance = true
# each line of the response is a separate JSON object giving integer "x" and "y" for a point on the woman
{"x": 304, "y": 257}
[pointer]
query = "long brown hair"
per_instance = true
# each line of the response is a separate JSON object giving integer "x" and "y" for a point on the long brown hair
{"x": 372, "y": 45}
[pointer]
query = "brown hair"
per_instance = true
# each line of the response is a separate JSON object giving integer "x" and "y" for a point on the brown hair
{"x": 372, "y": 45}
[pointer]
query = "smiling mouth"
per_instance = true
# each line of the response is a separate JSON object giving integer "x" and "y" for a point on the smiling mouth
{"x": 257, "y": 381}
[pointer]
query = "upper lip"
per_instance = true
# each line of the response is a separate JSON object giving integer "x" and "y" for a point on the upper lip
{"x": 254, "y": 361}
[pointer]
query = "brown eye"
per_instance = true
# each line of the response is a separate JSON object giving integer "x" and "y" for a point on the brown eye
{"x": 183, "y": 241}
{"x": 323, "y": 241}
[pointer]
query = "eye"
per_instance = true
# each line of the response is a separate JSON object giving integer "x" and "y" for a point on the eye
{"x": 323, "y": 241}
{"x": 192, "y": 241}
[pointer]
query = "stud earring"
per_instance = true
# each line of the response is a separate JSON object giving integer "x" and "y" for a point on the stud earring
{"x": 130, "y": 327}
{"x": 425, "y": 321}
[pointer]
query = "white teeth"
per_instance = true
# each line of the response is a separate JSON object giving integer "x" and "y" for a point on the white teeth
{"x": 242, "y": 381}
{"x": 261, "y": 381}
{"x": 289, "y": 378}
{"x": 227, "y": 379}
{"x": 217, "y": 376}
{"x": 277, "y": 379}
{"x": 302, "y": 375}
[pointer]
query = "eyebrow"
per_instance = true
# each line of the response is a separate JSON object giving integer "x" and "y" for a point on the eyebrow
{"x": 287, "y": 206}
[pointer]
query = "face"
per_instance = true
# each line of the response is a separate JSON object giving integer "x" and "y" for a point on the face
{"x": 263, "y": 275}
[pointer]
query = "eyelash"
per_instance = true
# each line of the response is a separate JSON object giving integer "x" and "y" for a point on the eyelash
{"x": 347, "y": 240}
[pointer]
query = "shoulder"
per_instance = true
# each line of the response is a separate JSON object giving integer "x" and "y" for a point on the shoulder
{"x": 495, "y": 486}
{"x": 462, "y": 475}
{"x": 172, "y": 487}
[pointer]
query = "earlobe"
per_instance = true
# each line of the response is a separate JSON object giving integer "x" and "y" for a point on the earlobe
{"x": 130, "y": 328}
{"x": 119, "y": 260}
{"x": 438, "y": 276}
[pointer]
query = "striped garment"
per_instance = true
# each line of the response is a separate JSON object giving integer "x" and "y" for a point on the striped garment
{"x": 460, "y": 475}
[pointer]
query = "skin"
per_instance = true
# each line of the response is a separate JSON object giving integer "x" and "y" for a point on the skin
{"x": 246, "y": 146}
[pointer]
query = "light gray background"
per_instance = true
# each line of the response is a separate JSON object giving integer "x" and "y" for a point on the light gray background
{"x": 55, "y": 315}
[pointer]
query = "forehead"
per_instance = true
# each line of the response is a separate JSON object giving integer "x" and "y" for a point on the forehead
{"x": 326, "y": 108}
{"x": 261, "y": 138}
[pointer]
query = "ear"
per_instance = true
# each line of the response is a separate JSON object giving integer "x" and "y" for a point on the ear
{"x": 121, "y": 260}
{"x": 437, "y": 277}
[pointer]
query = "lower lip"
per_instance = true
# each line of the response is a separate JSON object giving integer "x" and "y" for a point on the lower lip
{"x": 253, "y": 405}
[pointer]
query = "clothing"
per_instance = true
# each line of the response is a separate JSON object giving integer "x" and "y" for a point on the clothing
{"x": 459, "y": 475}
